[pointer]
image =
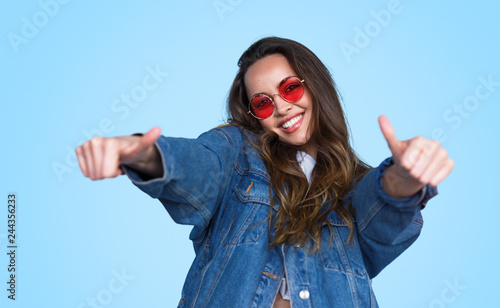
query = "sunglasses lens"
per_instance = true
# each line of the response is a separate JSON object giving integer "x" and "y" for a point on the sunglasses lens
{"x": 261, "y": 106}
{"x": 291, "y": 89}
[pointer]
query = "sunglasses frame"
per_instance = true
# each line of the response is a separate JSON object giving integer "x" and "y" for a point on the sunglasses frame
{"x": 271, "y": 97}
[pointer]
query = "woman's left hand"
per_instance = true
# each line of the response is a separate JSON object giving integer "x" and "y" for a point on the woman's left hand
{"x": 417, "y": 162}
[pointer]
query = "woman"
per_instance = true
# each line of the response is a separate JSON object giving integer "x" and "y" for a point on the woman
{"x": 283, "y": 211}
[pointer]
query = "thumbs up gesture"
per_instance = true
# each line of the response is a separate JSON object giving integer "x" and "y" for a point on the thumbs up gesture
{"x": 417, "y": 162}
{"x": 100, "y": 157}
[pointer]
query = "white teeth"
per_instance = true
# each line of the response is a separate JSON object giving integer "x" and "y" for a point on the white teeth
{"x": 290, "y": 123}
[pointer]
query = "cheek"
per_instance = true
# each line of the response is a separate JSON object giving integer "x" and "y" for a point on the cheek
{"x": 308, "y": 100}
{"x": 266, "y": 124}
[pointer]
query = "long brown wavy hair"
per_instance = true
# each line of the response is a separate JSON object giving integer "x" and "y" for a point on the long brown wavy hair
{"x": 304, "y": 207}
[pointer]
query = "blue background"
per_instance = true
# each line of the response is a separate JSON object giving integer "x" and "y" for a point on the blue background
{"x": 65, "y": 79}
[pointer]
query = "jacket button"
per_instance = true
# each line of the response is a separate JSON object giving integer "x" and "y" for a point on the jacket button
{"x": 304, "y": 294}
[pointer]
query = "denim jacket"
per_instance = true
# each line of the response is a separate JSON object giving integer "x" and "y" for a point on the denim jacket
{"x": 218, "y": 184}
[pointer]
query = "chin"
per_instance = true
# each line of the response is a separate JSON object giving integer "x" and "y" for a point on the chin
{"x": 295, "y": 142}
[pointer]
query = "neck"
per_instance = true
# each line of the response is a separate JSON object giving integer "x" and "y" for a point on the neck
{"x": 310, "y": 148}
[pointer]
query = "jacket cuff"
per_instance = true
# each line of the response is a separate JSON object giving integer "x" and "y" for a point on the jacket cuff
{"x": 421, "y": 197}
{"x": 153, "y": 185}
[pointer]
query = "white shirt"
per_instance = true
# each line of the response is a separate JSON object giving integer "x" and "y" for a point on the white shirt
{"x": 307, "y": 164}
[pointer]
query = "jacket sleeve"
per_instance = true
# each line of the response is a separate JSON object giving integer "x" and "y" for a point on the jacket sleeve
{"x": 387, "y": 226}
{"x": 196, "y": 174}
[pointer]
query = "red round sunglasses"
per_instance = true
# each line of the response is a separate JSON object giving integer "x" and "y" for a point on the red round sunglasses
{"x": 290, "y": 89}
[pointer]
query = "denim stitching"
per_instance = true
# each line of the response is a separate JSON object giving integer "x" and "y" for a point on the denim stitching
{"x": 371, "y": 214}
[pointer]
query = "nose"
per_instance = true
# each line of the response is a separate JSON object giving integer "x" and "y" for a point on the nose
{"x": 281, "y": 107}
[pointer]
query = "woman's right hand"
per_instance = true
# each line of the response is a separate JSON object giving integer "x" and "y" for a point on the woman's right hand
{"x": 100, "y": 157}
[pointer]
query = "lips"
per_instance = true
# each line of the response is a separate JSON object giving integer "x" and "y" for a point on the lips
{"x": 292, "y": 123}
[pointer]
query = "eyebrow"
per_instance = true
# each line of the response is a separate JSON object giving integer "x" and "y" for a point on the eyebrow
{"x": 278, "y": 86}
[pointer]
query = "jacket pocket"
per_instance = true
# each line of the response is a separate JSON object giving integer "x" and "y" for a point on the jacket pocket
{"x": 245, "y": 218}
{"x": 341, "y": 256}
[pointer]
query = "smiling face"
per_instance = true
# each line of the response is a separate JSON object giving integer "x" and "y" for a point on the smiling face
{"x": 290, "y": 121}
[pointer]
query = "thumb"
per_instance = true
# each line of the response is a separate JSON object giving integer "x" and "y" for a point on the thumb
{"x": 150, "y": 137}
{"x": 389, "y": 134}
{"x": 146, "y": 140}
